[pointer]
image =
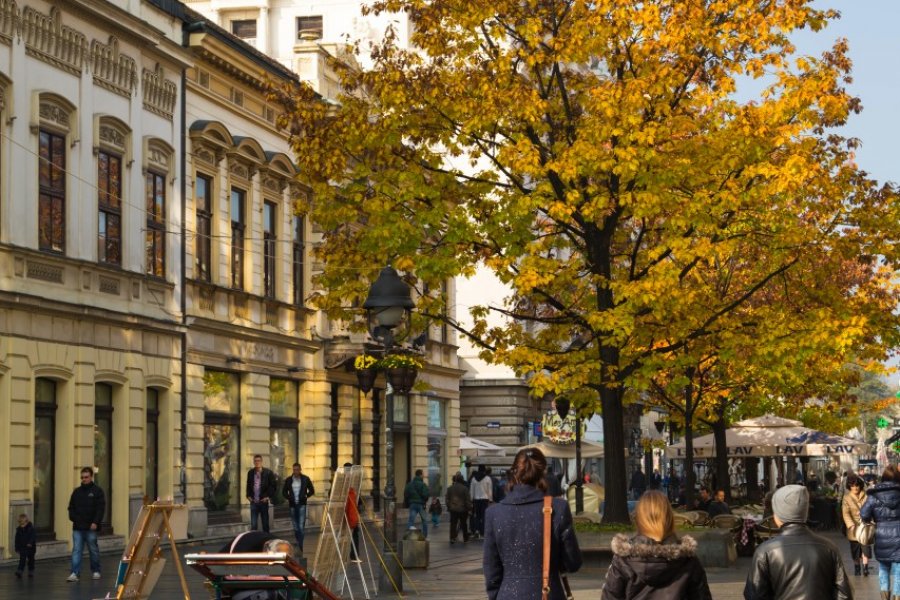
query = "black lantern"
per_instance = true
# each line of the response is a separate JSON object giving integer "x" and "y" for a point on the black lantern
{"x": 562, "y": 406}
{"x": 389, "y": 300}
{"x": 660, "y": 426}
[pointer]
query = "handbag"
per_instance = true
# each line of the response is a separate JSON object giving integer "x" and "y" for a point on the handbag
{"x": 864, "y": 533}
{"x": 545, "y": 571}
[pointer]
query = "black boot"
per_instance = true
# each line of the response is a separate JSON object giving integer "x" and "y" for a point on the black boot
{"x": 865, "y": 570}
{"x": 856, "y": 569}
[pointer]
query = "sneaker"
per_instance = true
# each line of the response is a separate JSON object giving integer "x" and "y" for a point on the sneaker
{"x": 412, "y": 528}
{"x": 72, "y": 577}
{"x": 96, "y": 575}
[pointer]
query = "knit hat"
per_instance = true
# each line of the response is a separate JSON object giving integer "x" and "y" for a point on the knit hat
{"x": 790, "y": 504}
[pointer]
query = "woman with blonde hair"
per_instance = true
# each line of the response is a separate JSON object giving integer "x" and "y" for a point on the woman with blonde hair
{"x": 654, "y": 564}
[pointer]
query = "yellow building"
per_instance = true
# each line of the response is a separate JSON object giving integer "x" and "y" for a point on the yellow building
{"x": 152, "y": 283}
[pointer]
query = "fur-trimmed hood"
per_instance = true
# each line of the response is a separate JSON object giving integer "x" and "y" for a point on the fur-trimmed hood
{"x": 656, "y": 564}
{"x": 644, "y": 547}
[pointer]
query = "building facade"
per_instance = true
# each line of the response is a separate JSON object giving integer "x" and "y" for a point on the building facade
{"x": 153, "y": 277}
{"x": 90, "y": 321}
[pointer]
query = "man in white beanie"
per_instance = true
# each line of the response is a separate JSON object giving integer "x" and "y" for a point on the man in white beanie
{"x": 796, "y": 564}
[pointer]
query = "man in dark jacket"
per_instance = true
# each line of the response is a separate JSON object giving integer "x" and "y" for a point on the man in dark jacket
{"x": 718, "y": 506}
{"x": 87, "y": 505}
{"x": 796, "y": 564}
{"x": 460, "y": 505}
{"x": 416, "y": 495}
{"x": 297, "y": 488}
{"x": 261, "y": 488}
{"x": 638, "y": 484}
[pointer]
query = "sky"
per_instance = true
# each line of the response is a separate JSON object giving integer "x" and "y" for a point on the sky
{"x": 870, "y": 26}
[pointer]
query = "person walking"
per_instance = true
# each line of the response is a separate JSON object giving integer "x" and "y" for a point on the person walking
{"x": 514, "y": 536}
{"x": 459, "y": 505}
{"x": 481, "y": 489}
{"x": 655, "y": 564}
{"x": 297, "y": 488}
{"x": 796, "y": 564}
{"x": 882, "y": 505}
{"x": 25, "y": 545}
{"x": 850, "y": 508}
{"x": 261, "y": 487}
{"x": 87, "y": 505}
{"x": 638, "y": 484}
{"x": 416, "y": 495}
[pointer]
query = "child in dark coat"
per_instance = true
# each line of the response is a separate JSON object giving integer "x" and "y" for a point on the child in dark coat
{"x": 435, "y": 509}
{"x": 26, "y": 545}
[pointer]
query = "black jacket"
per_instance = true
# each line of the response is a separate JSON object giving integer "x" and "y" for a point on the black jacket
{"x": 513, "y": 546}
{"x": 87, "y": 505}
{"x": 883, "y": 506}
{"x": 797, "y": 565}
{"x": 644, "y": 568}
{"x": 457, "y": 498}
{"x": 306, "y": 490}
{"x": 268, "y": 484}
{"x": 26, "y": 538}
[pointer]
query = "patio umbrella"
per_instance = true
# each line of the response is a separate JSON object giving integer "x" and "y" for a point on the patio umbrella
{"x": 551, "y": 450}
{"x": 471, "y": 447}
{"x": 771, "y": 436}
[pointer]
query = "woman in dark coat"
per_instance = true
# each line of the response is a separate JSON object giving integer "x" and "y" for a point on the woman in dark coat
{"x": 883, "y": 506}
{"x": 654, "y": 564}
{"x": 514, "y": 532}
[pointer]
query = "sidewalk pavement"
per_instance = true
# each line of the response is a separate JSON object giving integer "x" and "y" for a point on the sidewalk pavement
{"x": 454, "y": 573}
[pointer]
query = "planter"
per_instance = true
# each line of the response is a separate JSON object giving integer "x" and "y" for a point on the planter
{"x": 401, "y": 378}
{"x": 366, "y": 379}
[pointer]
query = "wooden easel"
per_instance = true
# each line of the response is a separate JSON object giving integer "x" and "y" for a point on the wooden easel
{"x": 142, "y": 562}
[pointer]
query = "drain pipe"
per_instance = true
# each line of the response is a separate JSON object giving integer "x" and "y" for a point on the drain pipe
{"x": 184, "y": 333}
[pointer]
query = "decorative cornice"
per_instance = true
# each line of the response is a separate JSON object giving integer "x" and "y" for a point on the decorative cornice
{"x": 113, "y": 70}
{"x": 160, "y": 94}
{"x": 47, "y": 39}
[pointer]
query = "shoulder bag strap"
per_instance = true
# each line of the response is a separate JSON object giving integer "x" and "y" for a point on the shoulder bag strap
{"x": 545, "y": 574}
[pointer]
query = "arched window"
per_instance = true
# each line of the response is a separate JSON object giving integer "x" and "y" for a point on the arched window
{"x": 157, "y": 165}
{"x": 44, "y": 456}
{"x": 55, "y": 124}
{"x": 112, "y": 150}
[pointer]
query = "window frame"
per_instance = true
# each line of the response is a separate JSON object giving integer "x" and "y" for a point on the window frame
{"x": 319, "y": 28}
{"x": 270, "y": 248}
{"x": 204, "y": 240}
{"x": 241, "y": 22}
{"x": 107, "y": 210}
{"x": 50, "y": 194}
{"x": 238, "y": 232}
{"x": 156, "y": 224}
{"x": 46, "y": 410}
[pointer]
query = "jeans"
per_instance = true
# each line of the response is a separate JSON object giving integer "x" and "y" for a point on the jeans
{"x": 78, "y": 538}
{"x": 259, "y": 510}
{"x": 886, "y": 572}
{"x": 417, "y": 509}
{"x": 298, "y": 520}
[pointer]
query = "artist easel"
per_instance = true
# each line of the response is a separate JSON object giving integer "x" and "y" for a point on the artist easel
{"x": 330, "y": 563}
{"x": 142, "y": 562}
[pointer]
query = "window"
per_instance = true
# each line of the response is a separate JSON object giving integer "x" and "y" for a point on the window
{"x": 156, "y": 224}
{"x": 44, "y": 456}
{"x": 437, "y": 438}
{"x": 309, "y": 28}
{"x": 109, "y": 202}
{"x": 298, "y": 260}
{"x": 269, "y": 249}
{"x": 103, "y": 445}
{"x": 283, "y": 425}
{"x": 151, "y": 468}
{"x": 203, "y": 203}
{"x": 237, "y": 238}
{"x": 52, "y": 193}
{"x": 244, "y": 28}
{"x": 221, "y": 444}
{"x": 400, "y": 411}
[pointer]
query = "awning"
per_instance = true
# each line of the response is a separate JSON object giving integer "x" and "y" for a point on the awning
{"x": 471, "y": 447}
{"x": 771, "y": 436}
{"x": 551, "y": 450}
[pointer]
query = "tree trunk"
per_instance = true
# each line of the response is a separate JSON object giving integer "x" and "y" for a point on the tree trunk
{"x": 615, "y": 505}
{"x": 690, "y": 479}
{"x": 723, "y": 481}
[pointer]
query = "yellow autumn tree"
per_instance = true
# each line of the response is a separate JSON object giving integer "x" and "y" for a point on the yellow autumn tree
{"x": 593, "y": 156}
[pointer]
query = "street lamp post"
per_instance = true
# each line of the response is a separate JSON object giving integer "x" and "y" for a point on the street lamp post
{"x": 388, "y": 302}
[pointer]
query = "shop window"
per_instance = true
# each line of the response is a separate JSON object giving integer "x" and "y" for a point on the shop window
{"x": 437, "y": 446}
{"x": 103, "y": 446}
{"x": 44, "y": 480}
{"x": 284, "y": 440}
{"x": 151, "y": 470}
{"x": 221, "y": 445}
